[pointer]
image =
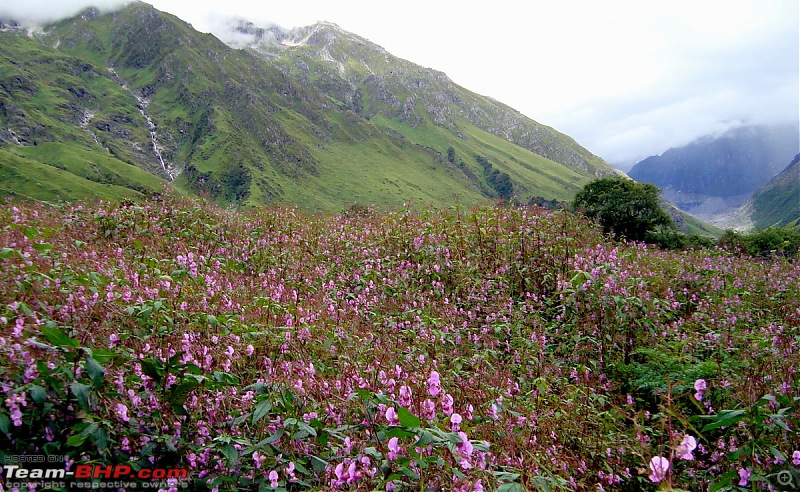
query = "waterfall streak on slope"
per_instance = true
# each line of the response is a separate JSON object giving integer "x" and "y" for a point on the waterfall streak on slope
{"x": 151, "y": 127}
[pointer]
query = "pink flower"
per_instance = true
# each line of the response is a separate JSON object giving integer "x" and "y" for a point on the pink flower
{"x": 686, "y": 447}
{"x": 493, "y": 412}
{"x": 405, "y": 396}
{"x": 796, "y": 458}
{"x": 447, "y": 404}
{"x": 428, "y": 409}
{"x": 700, "y": 386}
{"x": 258, "y": 459}
{"x": 465, "y": 447}
{"x": 391, "y": 416}
{"x": 658, "y": 469}
{"x": 273, "y": 479}
{"x": 455, "y": 420}
{"x": 122, "y": 412}
{"x": 744, "y": 476}
{"x": 341, "y": 474}
{"x": 290, "y": 471}
{"x": 434, "y": 384}
{"x": 394, "y": 449}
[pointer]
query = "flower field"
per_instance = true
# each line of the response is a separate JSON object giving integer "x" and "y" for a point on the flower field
{"x": 492, "y": 349}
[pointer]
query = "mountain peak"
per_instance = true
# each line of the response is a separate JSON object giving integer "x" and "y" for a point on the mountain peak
{"x": 274, "y": 39}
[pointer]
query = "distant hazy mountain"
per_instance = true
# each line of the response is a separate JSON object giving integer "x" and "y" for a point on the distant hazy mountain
{"x": 316, "y": 116}
{"x": 716, "y": 174}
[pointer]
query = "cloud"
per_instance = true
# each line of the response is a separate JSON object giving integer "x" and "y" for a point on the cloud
{"x": 710, "y": 80}
{"x": 43, "y": 11}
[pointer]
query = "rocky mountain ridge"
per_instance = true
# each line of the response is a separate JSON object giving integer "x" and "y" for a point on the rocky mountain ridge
{"x": 374, "y": 81}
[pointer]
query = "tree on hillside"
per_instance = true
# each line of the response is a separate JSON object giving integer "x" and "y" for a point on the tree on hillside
{"x": 451, "y": 154}
{"x": 623, "y": 207}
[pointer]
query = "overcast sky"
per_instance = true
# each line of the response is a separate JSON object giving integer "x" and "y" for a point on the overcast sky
{"x": 625, "y": 78}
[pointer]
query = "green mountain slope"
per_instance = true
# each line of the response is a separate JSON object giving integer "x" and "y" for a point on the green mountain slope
{"x": 323, "y": 123}
{"x": 778, "y": 202}
{"x": 54, "y": 172}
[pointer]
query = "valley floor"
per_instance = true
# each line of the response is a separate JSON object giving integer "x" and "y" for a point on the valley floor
{"x": 482, "y": 349}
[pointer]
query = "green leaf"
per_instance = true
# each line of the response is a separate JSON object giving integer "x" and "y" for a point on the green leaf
{"x": 263, "y": 408}
{"x": 777, "y": 453}
{"x": 103, "y": 356}
{"x": 725, "y": 418}
{"x": 59, "y": 338}
{"x": 225, "y": 378}
{"x": 76, "y": 440}
{"x": 31, "y": 232}
{"x": 274, "y": 437}
{"x": 318, "y": 464}
{"x": 154, "y": 368}
{"x": 100, "y": 437}
{"x": 81, "y": 392}
{"x": 724, "y": 481}
{"x": 424, "y": 438}
{"x": 95, "y": 371}
{"x": 506, "y": 476}
{"x": 192, "y": 368}
{"x": 38, "y": 394}
{"x": 306, "y": 429}
{"x": 179, "y": 393}
{"x": 4, "y": 423}
{"x": 372, "y": 452}
{"x": 230, "y": 453}
{"x": 90, "y": 429}
{"x": 407, "y": 419}
{"x": 400, "y": 432}
{"x": 510, "y": 487}
{"x": 409, "y": 473}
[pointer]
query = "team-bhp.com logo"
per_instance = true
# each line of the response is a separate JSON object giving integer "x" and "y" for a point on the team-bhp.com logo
{"x": 91, "y": 476}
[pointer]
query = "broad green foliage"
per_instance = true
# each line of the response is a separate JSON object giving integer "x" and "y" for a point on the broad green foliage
{"x": 775, "y": 241}
{"x": 484, "y": 349}
{"x": 622, "y": 206}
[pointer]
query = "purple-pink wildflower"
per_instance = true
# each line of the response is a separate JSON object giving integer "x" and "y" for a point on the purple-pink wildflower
{"x": 685, "y": 448}
{"x": 744, "y": 476}
{"x": 391, "y": 416}
{"x": 700, "y": 387}
{"x": 659, "y": 466}
{"x": 394, "y": 449}
{"x": 434, "y": 384}
{"x": 273, "y": 479}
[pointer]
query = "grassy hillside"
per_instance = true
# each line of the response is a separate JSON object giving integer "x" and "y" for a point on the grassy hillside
{"x": 54, "y": 172}
{"x": 778, "y": 202}
{"x": 503, "y": 349}
{"x": 243, "y": 128}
